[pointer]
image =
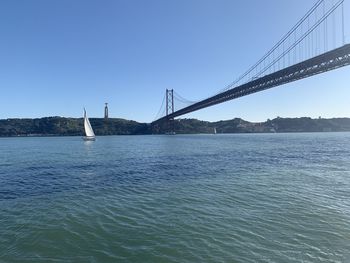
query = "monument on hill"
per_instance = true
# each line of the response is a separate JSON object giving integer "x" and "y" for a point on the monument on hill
{"x": 106, "y": 110}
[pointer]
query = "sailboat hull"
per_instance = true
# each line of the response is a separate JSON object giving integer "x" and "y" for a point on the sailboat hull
{"x": 88, "y": 138}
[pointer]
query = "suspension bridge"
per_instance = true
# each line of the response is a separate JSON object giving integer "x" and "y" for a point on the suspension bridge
{"x": 315, "y": 45}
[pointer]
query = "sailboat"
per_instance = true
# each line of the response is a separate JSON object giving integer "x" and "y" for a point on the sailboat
{"x": 214, "y": 130}
{"x": 89, "y": 132}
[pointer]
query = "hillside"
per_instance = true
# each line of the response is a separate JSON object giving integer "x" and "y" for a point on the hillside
{"x": 59, "y": 126}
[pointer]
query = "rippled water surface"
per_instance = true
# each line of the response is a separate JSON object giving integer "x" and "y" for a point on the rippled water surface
{"x": 198, "y": 198}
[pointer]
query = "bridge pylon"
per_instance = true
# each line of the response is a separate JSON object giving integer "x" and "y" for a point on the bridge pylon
{"x": 169, "y": 106}
{"x": 169, "y": 101}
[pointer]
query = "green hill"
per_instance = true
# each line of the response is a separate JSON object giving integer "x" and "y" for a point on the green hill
{"x": 59, "y": 126}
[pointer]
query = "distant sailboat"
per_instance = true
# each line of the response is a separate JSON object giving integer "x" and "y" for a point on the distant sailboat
{"x": 214, "y": 130}
{"x": 89, "y": 132}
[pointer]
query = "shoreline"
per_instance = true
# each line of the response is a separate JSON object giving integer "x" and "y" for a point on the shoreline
{"x": 179, "y": 134}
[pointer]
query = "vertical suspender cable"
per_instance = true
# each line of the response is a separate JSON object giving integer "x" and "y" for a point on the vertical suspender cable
{"x": 343, "y": 23}
{"x": 324, "y": 30}
{"x": 308, "y": 38}
{"x": 334, "y": 28}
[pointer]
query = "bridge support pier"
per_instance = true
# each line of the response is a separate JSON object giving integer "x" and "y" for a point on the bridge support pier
{"x": 170, "y": 126}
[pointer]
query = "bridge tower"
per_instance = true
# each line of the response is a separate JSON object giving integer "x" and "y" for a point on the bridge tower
{"x": 169, "y": 101}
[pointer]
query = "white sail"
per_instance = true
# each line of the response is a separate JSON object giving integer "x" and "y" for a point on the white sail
{"x": 88, "y": 129}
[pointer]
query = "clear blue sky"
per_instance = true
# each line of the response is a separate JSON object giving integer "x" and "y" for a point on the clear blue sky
{"x": 57, "y": 56}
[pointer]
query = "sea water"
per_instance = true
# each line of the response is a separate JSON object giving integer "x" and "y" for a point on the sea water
{"x": 182, "y": 198}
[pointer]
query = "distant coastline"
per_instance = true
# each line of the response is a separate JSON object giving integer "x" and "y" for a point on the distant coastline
{"x": 61, "y": 126}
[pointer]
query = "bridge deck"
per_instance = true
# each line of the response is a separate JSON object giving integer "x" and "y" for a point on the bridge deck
{"x": 328, "y": 61}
